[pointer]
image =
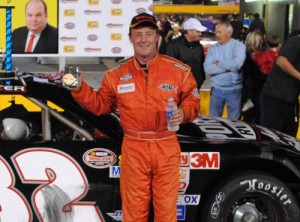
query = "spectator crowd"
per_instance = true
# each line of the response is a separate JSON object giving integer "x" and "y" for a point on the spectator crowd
{"x": 254, "y": 73}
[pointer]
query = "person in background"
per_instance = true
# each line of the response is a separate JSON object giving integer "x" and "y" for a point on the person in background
{"x": 266, "y": 59}
{"x": 253, "y": 78}
{"x": 209, "y": 23}
{"x": 188, "y": 49}
{"x": 166, "y": 32}
{"x": 257, "y": 25}
{"x": 140, "y": 87}
{"x": 224, "y": 63}
{"x": 279, "y": 102}
{"x": 37, "y": 36}
{"x": 263, "y": 63}
{"x": 238, "y": 28}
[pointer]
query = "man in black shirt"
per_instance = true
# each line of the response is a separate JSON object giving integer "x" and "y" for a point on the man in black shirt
{"x": 281, "y": 91}
{"x": 187, "y": 48}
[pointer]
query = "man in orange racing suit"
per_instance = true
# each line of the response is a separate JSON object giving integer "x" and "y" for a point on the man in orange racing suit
{"x": 140, "y": 87}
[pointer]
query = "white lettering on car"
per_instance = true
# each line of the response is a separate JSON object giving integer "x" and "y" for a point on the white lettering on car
{"x": 256, "y": 185}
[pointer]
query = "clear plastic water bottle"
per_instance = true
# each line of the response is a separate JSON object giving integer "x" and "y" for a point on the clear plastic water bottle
{"x": 171, "y": 108}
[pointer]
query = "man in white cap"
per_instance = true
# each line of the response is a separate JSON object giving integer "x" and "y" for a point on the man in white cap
{"x": 188, "y": 49}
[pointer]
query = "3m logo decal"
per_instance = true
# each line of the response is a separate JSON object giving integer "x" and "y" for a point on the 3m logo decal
{"x": 205, "y": 160}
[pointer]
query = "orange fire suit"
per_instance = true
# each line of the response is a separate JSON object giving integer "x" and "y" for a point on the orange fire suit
{"x": 150, "y": 153}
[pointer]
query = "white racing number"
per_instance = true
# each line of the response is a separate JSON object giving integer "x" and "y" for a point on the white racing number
{"x": 63, "y": 184}
{"x": 13, "y": 205}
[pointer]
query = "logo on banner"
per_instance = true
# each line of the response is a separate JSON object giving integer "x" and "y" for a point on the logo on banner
{"x": 116, "y": 12}
{"x": 116, "y": 36}
{"x": 69, "y": 25}
{"x": 116, "y": 1}
{"x": 140, "y": 10}
{"x": 92, "y": 12}
{"x": 92, "y": 37}
{"x": 69, "y": 48}
{"x": 93, "y": 24}
{"x": 140, "y": 1}
{"x": 93, "y": 2}
{"x": 69, "y": 1}
{"x": 69, "y": 12}
{"x": 99, "y": 158}
{"x": 113, "y": 25}
{"x": 116, "y": 50}
{"x": 92, "y": 49}
{"x": 64, "y": 38}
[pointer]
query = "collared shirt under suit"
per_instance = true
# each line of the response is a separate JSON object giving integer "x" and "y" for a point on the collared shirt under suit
{"x": 150, "y": 153}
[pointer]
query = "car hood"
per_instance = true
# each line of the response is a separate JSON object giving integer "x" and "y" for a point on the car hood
{"x": 225, "y": 130}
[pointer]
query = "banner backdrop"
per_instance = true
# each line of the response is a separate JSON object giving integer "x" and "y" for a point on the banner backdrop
{"x": 97, "y": 27}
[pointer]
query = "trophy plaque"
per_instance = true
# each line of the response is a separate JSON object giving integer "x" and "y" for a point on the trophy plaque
{"x": 70, "y": 76}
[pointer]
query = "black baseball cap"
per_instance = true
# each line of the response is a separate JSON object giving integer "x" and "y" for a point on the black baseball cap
{"x": 143, "y": 20}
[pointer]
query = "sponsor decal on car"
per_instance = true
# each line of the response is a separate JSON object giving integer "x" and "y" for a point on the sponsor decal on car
{"x": 181, "y": 212}
{"x": 183, "y": 185}
{"x": 12, "y": 89}
{"x": 280, "y": 137}
{"x": 258, "y": 185}
{"x": 188, "y": 199}
{"x": 213, "y": 129}
{"x": 241, "y": 128}
{"x": 205, "y": 160}
{"x": 114, "y": 171}
{"x": 117, "y": 215}
{"x": 215, "y": 208}
{"x": 99, "y": 158}
{"x": 184, "y": 173}
{"x": 185, "y": 159}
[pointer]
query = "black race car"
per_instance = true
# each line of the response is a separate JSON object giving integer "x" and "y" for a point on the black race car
{"x": 62, "y": 163}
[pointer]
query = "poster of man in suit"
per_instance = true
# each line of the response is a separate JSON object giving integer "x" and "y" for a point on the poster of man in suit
{"x": 34, "y": 27}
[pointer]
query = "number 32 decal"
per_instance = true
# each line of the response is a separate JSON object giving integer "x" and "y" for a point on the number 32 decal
{"x": 63, "y": 184}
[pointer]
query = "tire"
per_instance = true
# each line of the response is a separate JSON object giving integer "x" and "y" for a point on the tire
{"x": 256, "y": 197}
